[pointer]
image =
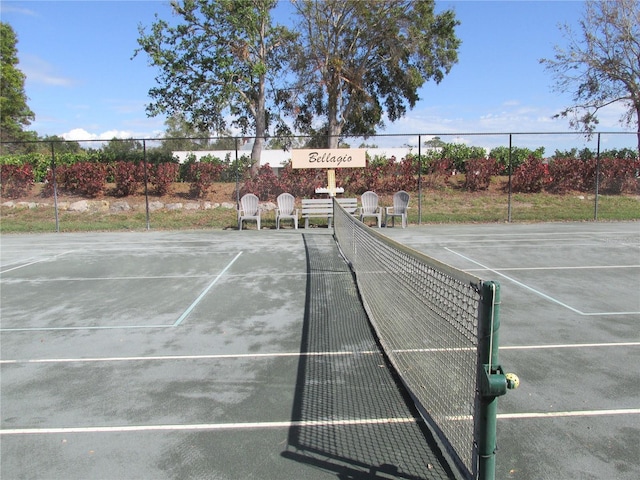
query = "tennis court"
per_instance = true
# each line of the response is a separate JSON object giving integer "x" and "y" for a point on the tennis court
{"x": 234, "y": 355}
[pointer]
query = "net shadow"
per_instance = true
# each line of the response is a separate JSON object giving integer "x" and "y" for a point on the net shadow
{"x": 364, "y": 424}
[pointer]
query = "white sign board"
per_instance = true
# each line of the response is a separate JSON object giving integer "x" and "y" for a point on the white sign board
{"x": 329, "y": 158}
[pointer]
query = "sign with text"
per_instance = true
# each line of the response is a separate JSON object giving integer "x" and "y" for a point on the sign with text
{"x": 329, "y": 158}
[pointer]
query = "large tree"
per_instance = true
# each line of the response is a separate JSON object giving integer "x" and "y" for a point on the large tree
{"x": 179, "y": 135}
{"x": 216, "y": 63}
{"x": 600, "y": 64}
{"x": 15, "y": 114}
{"x": 358, "y": 61}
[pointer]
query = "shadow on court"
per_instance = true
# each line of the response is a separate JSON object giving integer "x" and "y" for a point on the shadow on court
{"x": 357, "y": 420}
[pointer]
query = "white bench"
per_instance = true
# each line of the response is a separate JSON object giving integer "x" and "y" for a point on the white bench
{"x": 323, "y": 208}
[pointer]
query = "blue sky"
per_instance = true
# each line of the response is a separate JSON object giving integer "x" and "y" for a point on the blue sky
{"x": 83, "y": 84}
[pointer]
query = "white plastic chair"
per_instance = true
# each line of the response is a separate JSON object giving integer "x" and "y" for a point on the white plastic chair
{"x": 370, "y": 207}
{"x": 286, "y": 209}
{"x": 399, "y": 209}
{"x": 249, "y": 210}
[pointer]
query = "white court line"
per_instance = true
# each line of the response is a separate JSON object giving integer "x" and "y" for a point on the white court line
{"x": 522, "y": 347}
{"x": 576, "y": 413}
{"x": 204, "y": 292}
{"x": 191, "y": 357}
{"x": 528, "y": 235}
{"x": 576, "y": 345}
{"x": 152, "y": 277}
{"x": 598, "y": 267}
{"x": 538, "y": 292}
{"x": 308, "y": 423}
{"x": 36, "y": 261}
{"x": 61, "y": 329}
{"x": 212, "y": 426}
{"x": 227, "y": 356}
{"x": 569, "y": 413}
{"x": 180, "y": 319}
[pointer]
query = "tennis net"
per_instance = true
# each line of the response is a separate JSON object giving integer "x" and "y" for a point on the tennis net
{"x": 427, "y": 318}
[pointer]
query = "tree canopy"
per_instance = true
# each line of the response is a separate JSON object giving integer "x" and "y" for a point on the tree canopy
{"x": 358, "y": 61}
{"x": 216, "y": 63}
{"x": 600, "y": 64}
{"x": 351, "y": 64}
{"x": 15, "y": 114}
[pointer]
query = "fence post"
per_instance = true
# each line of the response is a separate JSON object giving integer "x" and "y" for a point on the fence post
{"x": 419, "y": 180}
{"x": 595, "y": 207}
{"x": 509, "y": 170}
{"x": 55, "y": 187}
{"x": 146, "y": 182}
{"x": 237, "y": 179}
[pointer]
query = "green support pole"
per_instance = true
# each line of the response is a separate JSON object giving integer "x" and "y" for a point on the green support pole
{"x": 493, "y": 381}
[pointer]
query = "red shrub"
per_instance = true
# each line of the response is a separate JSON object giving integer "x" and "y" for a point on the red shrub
{"x": 571, "y": 174}
{"x": 437, "y": 172}
{"x": 265, "y": 184}
{"x": 530, "y": 177}
{"x": 128, "y": 177}
{"x": 359, "y": 180}
{"x": 399, "y": 176}
{"x": 202, "y": 175}
{"x": 619, "y": 175}
{"x": 47, "y": 189}
{"x": 302, "y": 182}
{"x": 383, "y": 176}
{"x": 478, "y": 173}
{"x": 87, "y": 179}
{"x": 16, "y": 181}
{"x": 162, "y": 177}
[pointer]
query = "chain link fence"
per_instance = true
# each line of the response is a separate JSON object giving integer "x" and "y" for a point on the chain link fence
{"x": 501, "y": 171}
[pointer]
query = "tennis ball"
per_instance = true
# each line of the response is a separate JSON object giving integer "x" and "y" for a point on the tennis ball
{"x": 513, "y": 381}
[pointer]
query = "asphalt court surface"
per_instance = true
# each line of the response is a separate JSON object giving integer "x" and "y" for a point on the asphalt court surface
{"x": 179, "y": 355}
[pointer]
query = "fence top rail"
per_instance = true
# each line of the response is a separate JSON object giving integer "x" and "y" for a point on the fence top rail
{"x": 416, "y": 134}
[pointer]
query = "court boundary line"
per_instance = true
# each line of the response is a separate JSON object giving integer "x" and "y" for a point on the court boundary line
{"x": 193, "y": 305}
{"x": 299, "y": 424}
{"x": 158, "y": 277}
{"x": 569, "y": 413}
{"x": 226, "y": 356}
{"x": 46, "y": 259}
{"x": 212, "y": 426}
{"x": 593, "y": 267}
{"x": 175, "y": 324}
{"x": 538, "y": 292}
{"x": 214, "y": 356}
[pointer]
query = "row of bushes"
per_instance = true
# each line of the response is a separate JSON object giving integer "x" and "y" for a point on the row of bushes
{"x": 457, "y": 155}
{"x": 89, "y": 179}
{"x": 532, "y": 176}
{"x": 41, "y": 163}
{"x": 569, "y": 174}
{"x": 383, "y": 176}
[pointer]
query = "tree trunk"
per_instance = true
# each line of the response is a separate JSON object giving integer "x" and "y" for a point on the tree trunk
{"x": 333, "y": 126}
{"x": 261, "y": 128}
{"x": 334, "y": 133}
{"x": 638, "y": 133}
{"x": 256, "y": 153}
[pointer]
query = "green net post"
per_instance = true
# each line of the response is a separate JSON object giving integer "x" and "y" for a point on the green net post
{"x": 493, "y": 381}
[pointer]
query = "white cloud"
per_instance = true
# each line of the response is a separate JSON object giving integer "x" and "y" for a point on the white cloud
{"x": 125, "y": 106}
{"x": 610, "y": 116}
{"x": 511, "y": 103}
{"x": 81, "y": 135}
{"x": 7, "y": 8}
{"x": 41, "y": 72}
{"x": 109, "y": 134}
{"x": 78, "y": 134}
